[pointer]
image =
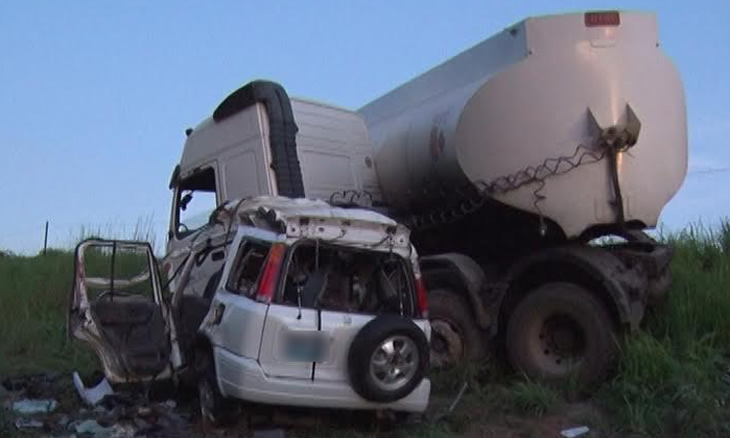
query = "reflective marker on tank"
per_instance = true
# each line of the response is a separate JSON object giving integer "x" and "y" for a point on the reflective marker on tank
{"x": 604, "y": 18}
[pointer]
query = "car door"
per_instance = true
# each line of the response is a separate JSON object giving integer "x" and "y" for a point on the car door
{"x": 291, "y": 341}
{"x": 117, "y": 307}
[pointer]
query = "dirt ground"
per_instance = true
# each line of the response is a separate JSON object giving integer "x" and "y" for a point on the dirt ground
{"x": 162, "y": 411}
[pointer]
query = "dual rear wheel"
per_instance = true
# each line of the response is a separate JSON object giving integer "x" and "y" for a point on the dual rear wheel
{"x": 558, "y": 331}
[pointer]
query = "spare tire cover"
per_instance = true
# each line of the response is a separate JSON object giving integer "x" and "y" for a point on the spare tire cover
{"x": 387, "y": 359}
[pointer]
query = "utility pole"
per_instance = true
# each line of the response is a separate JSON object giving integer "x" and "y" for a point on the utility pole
{"x": 45, "y": 240}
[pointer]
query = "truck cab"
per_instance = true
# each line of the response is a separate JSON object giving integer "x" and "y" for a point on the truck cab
{"x": 259, "y": 142}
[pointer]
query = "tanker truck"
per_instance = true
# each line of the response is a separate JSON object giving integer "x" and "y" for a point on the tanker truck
{"x": 528, "y": 169}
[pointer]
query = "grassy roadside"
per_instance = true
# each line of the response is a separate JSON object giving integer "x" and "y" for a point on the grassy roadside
{"x": 670, "y": 381}
{"x": 34, "y": 295}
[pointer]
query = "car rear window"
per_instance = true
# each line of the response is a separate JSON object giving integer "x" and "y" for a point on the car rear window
{"x": 343, "y": 279}
{"x": 247, "y": 268}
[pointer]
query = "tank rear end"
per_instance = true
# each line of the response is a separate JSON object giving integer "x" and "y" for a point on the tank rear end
{"x": 578, "y": 120}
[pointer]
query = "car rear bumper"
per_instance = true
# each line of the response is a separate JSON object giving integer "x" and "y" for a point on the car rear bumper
{"x": 243, "y": 378}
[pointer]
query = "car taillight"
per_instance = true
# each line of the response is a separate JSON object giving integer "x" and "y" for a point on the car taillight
{"x": 603, "y": 18}
{"x": 267, "y": 285}
{"x": 422, "y": 295}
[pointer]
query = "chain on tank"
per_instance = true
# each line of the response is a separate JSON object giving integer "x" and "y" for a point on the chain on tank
{"x": 462, "y": 204}
{"x": 466, "y": 200}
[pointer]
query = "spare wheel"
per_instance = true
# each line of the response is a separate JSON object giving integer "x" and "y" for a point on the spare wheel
{"x": 387, "y": 359}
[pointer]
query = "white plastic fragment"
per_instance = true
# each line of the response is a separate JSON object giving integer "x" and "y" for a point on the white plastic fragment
{"x": 574, "y": 432}
{"x": 27, "y": 423}
{"x": 31, "y": 406}
{"x": 94, "y": 395}
{"x": 122, "y": 431}
{"x": 94, "y": 428}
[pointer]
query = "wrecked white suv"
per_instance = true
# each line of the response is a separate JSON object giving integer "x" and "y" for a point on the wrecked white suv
{"x": 307, "y": 305}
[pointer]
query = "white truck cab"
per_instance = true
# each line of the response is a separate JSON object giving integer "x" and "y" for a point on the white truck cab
{"x": 259, "y": 142}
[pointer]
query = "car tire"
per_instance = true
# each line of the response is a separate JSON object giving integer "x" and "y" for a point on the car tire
{"x": 559, "y": 332}
{"x": 455, "y": 336}
{"x": 388, "y": 358}
{"x": 215, "y": 409}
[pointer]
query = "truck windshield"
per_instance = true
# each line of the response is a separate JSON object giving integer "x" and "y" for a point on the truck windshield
{"x": 195, "y": 208}
{"x": 196, "y": 199}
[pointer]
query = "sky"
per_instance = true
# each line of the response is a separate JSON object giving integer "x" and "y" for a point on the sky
{"x": 95, "y": 96}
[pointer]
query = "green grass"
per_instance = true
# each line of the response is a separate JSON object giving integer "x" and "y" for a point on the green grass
{"x": 669, "y": 382}
{"x": 34, "y": 295}
{"x": 34, "y": 298}
{"x": 533, "y": 398}
{"x": 670, "y": 377}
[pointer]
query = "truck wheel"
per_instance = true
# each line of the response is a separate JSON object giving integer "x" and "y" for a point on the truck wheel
{"x": 387, "y": 359}
{"x": 214, "y": 407}
{"x": 455, "y": 336}
{"x": 560, "y": 330}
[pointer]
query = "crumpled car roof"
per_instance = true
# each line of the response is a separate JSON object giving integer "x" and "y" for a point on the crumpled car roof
{"x": 287, "y": 209}
{"x": 313, "y": 218}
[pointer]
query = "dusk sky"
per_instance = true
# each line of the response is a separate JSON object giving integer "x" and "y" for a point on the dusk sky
{"x": 95, "y": 96}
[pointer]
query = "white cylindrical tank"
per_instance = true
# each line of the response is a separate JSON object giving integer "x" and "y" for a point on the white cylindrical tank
{"x": 538, "y": 96}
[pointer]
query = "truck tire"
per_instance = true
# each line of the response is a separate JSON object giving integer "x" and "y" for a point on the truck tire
{"x": 455, "y": 336}
{"x": 560, "y": 331}
{"x": 387, "y": 359}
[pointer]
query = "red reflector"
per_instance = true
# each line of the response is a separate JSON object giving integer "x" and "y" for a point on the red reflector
{"x": 422, "y": 295}
{"x": 267, "y": 285}
{"x": 607, "y": 18}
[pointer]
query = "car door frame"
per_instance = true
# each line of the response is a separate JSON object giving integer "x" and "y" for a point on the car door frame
{"x": 80, "y": 323}
{"x": 211, "y": 328}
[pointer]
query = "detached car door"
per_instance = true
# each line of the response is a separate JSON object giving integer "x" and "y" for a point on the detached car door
{"x": 117, "y": 307}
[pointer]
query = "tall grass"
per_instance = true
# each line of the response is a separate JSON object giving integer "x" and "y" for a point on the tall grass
{"x": 34, "y": 294}
{"x": 670, "y": 378}
{"x": 34, "y": 298}
{"x": 143, "y": 230}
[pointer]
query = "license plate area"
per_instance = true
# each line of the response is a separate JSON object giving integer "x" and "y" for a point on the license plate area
{"x": 305, "y": 346}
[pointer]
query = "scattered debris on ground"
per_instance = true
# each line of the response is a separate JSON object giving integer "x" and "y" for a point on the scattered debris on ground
{"x": 574, "y": 432}
{"x": 145, "y": 411}
{"x": 98, "y": 412}
{"x": 27, "y": 423}
{"x": 31, "y": 406}
{"x": 160, "y": 412}
{"x": 94, "y": 395}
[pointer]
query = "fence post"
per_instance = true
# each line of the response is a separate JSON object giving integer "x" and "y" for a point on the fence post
{"x": 45, "y": 240}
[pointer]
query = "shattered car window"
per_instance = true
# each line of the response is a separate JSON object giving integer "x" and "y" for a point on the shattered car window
{"x": 348, "y": 280}
{"x": 247, "y": 268}
{"x": 117, "y": 271}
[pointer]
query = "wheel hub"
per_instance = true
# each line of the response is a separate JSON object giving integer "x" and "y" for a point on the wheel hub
{"x": 562, "y": 342}
{"x": 447, "y": 346}
{"x": 394, "y": 363}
